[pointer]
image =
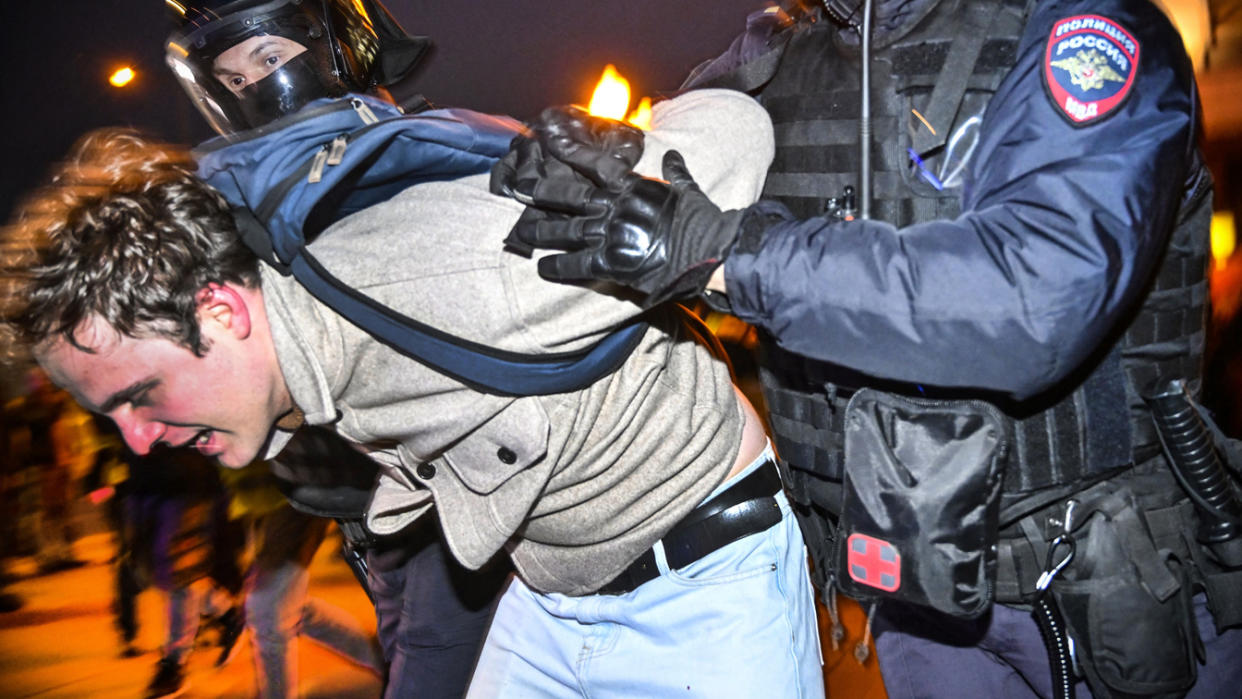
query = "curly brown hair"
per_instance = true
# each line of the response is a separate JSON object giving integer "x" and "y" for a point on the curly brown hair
{"x": 125, "y": 232}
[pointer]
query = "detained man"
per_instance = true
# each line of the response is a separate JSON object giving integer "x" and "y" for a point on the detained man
{"x": 655, "y": 552}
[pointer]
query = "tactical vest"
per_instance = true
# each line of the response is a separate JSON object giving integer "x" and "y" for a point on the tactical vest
{"x": 1057, "y": 444}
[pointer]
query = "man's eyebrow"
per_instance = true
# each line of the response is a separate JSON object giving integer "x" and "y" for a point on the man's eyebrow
{"x": 127, "y": 394}
{"x": 259, "y": 48}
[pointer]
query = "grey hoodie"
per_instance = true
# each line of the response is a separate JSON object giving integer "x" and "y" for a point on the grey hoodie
{"x": 573, "y": 485}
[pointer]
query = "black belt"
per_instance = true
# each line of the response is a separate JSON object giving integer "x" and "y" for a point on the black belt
{"x": 746, "y": 507}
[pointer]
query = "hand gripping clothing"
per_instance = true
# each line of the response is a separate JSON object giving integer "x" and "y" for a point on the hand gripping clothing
{"x": 1038, "y": 242}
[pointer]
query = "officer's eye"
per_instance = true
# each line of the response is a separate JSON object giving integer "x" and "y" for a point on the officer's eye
{"x": 237, "y": 81}
{"x": 271, "y": 60}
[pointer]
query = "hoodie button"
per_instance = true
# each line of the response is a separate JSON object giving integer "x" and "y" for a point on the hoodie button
{"x": 506, "y": 455}
{"x": 425, "y": 471}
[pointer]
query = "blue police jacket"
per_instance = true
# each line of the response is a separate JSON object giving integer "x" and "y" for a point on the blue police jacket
{"x": 1067, "y": 206}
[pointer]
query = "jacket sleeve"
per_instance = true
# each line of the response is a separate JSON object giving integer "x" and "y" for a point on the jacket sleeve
{"x": 1062, "y": 227}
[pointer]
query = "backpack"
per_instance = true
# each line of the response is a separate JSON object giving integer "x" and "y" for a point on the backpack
{"x": 289, "y": 180}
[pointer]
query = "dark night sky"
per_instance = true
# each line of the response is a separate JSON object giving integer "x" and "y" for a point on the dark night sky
{"x": 510, "y": 56}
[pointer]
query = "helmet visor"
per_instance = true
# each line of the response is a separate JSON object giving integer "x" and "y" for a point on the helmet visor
{"x": 259, "y": 63}
{"x": 286, "y": 89}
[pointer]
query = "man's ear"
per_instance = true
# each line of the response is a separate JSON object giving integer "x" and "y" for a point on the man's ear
{"x": 221, "y": 304}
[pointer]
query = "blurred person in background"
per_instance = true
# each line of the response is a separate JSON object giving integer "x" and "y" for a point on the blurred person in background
{"x": 278, "y": 606}
{"x": 9, "y": 490}
{"x": 52, "y": 447}
{"x": 173, "y": 502}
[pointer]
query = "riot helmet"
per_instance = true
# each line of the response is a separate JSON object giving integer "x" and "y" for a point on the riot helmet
{"x": 244, "y": 63}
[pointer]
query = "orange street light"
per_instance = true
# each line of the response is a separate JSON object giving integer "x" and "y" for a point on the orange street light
{"x": 1224, "y": 237}
{"x": 121, "y": 77}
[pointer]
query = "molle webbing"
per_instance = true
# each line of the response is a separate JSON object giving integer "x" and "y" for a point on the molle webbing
{"x": 1166, "y": 338}
{"x": 806, "y": 408}
{"x": 814, "y": 104}
{"x": 807, "y": 424}
{"x": 1150, "y": 513}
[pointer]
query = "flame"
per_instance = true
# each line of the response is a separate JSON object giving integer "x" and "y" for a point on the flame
{"x": 641, "y": 116}
{"x": 612, "y": 97}
{"x": 122, "y": 77}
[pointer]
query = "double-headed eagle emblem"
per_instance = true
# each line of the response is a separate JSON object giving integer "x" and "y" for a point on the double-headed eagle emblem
{"x": 1088, "y": 70}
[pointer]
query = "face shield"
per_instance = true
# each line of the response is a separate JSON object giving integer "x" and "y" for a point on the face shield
{"x": 245, "y": 63}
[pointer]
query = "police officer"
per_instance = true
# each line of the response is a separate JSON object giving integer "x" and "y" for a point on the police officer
{"x": 246, "y": 64}
{"x": 969, "y": 273}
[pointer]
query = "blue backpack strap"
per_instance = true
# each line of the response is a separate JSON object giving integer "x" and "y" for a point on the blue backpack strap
{"x": 483, "y": 368}
{"x": 257, "y": 238}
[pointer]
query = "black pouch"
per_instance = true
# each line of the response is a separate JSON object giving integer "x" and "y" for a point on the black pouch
{"x": 1127, "y": 605}
{"x": 921, "y": 501}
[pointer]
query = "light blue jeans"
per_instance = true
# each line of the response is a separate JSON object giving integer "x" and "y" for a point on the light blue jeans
{"x": 738, "y": 623}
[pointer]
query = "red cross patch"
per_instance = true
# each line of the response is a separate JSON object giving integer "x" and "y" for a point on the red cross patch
{"x": 873, "y": 562}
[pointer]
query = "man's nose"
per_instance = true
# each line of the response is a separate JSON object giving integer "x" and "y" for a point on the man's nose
{"x": 140, "y": 435}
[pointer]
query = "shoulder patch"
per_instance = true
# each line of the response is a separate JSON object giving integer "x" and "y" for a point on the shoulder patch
{"x": 1089, "y": 67}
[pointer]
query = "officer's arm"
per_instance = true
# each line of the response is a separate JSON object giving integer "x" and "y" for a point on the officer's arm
{"x": 1062, "y": 227}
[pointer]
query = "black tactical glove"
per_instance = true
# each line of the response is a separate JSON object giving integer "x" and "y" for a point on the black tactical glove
{"x": 602, "y": 150}
{"x": 663, "y": 239}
